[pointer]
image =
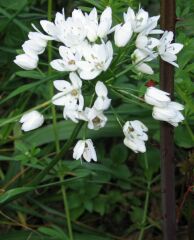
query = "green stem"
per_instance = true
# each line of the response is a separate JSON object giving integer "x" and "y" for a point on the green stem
{"x": 51, "y": 89}
{"x": 145, "y": 212}
{"x": 58, "y": 157}
{"x": 124, "y": 71}
{"x": 57, "y": 143}
{"x": 66, "y": 207}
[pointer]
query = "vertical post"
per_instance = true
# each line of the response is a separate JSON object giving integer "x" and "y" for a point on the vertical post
{"x": 168, "y": 19}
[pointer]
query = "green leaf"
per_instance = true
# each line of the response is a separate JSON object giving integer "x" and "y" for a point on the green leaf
{"x": 116, "y": 155}
{"x": 54, "y": 232}
{"x": 27, "y": 87}
{"x": 29, "y": 74}
{"x": 13, "y": 193}
{"x": 182, "y": 137}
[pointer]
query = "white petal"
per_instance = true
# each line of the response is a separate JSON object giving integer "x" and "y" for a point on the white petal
{"x": 76, "y": 81}
{"x": 78, "y": 149}
{"x": 91, "y": 149}
{"x": 60, "y": 65}
{"x": 176, "y": 105}
{"x": 48, "y": 27}
{"x": 144, "y": 68}
{"x": 59, "y": 99}
{"x": 61, "y": 85}
{"x": 101, "y": 89}
{"x": 89, "y": 75}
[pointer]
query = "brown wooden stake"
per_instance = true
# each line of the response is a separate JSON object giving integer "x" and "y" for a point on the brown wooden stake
{"x": 168, "y": 20}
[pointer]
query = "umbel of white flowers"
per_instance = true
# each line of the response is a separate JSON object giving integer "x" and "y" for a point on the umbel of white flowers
{"x": 80, "y": 52}
{"x": 85, "y": 51}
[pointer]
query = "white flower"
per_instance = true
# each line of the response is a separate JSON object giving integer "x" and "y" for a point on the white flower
{"x": 36, "y": 44}
{"x": 95, "y": 118}
{"x": 138, "y": 21}
{"x": 68, "y": 61}
{"x": 54, "y": 29}
{"x": 141, "y": 19}
{"x": 71, "y": 31}
{"x": 135, "y": 129}
{"x": 130, "y": 17}
{"x": 85, "y": 148}
{"x": 147, "y": 44}
{"x": 26, "y": 61}
{"x": 139, "y": 58}
{"x": 69, "y": 92}
{"x": 102, "y": 102}
{"x": 74, "y": 30}
{"x": 105, "y": 23}
{"x": 31, "y": 121}
{"x": 98, "y": 58}
{"x": 123, "y": 34}
{"x": 151, "y": 25}
{"x": 71, "y": 110}
{"x": 141, "y": 22}
{"x": 168, "y": 50}
{"x": 157, "y": 97}
{"x": 135, "y": 135}
{"x": 169, "y": 114}
{"x": 31, "y": 46}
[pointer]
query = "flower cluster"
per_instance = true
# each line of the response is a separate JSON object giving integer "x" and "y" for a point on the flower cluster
{"x": 85, "y": 51}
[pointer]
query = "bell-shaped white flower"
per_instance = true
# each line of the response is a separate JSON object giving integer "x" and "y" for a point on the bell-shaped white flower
{"x": 168, "y": 50}
{"x": 27, "y": 61}
{"x": 157, "y": 97}
{"x": 96, "y": 119}
{"x": 36, "y": 44}
{"x": 171, "y": 113}
{"x": 139, "y": 58}
{"x": 86, "y": 149}
{"x": 105, "y": 23}
{"x": 135, "y": 129}
{"x": 97, "y": 57}
{"x": 135, "y": 135}
{"x": 70, "y": 93}
{"x": 102, "y": 102}
{"x": 68, "y": 62}
{"x": 31, "y": 121}
{"x": 123, "y": 34}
